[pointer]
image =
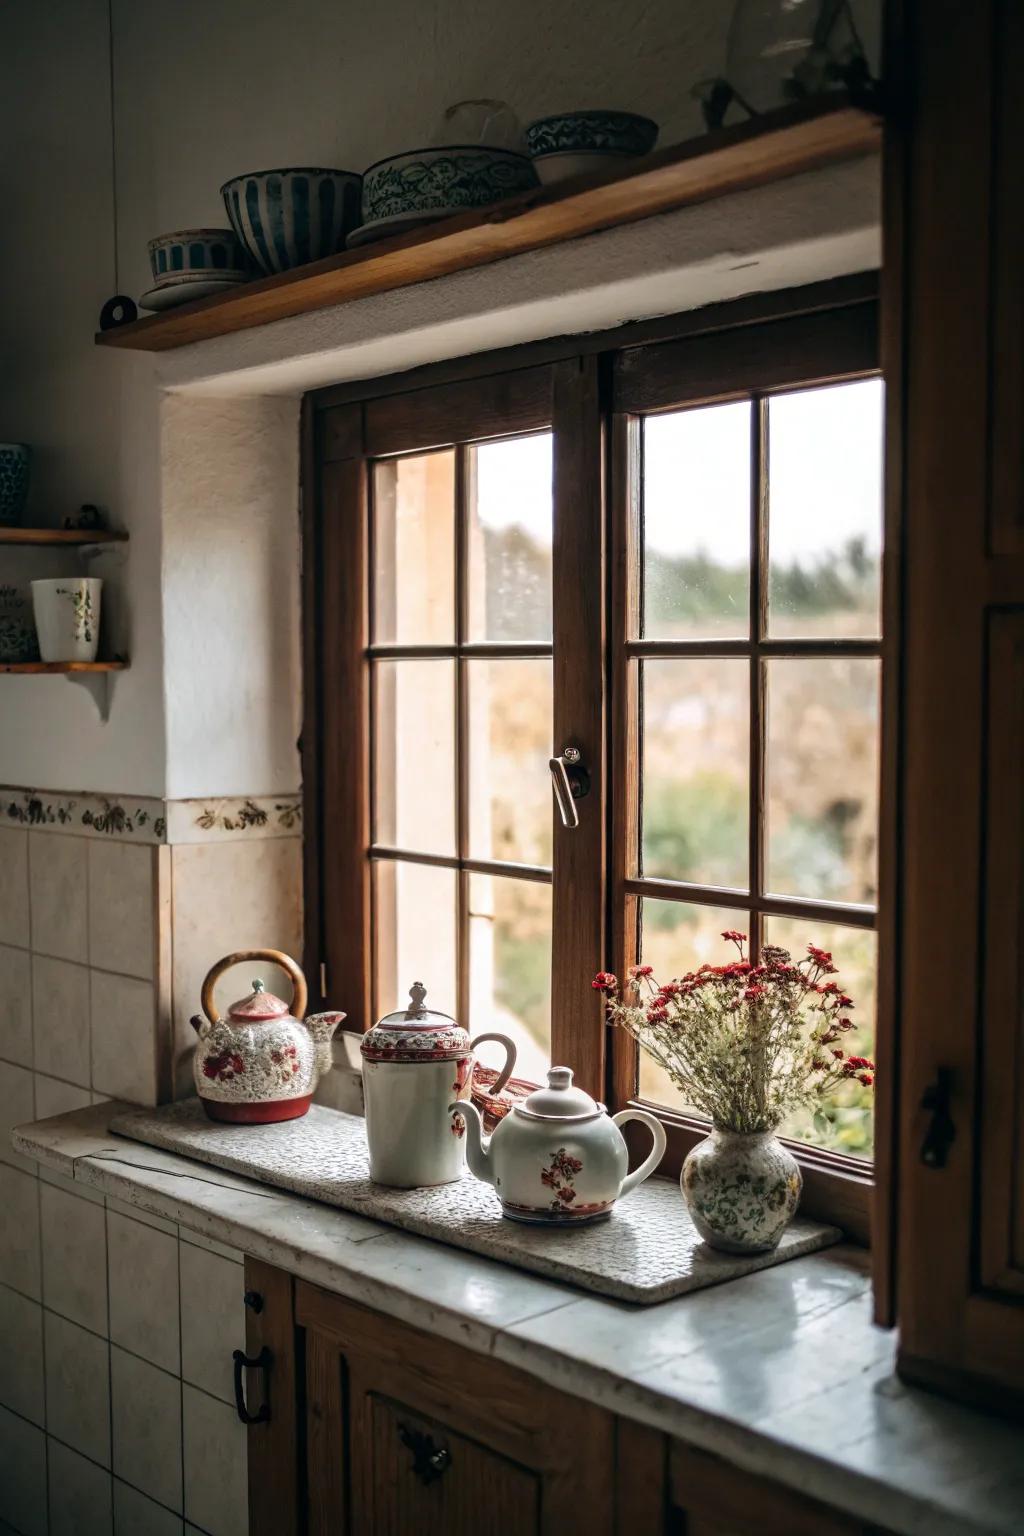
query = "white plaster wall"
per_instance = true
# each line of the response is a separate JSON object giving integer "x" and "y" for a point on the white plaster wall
{"x": 229, "y": 471}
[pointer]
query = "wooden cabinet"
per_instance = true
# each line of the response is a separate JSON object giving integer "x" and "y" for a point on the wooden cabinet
{"x": 953, "y": 284}
{"x": 408, "y": 1433}
{"x": 378, "y": 1429}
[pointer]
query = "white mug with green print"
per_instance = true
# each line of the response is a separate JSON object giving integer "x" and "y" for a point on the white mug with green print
{"x": 67, "y": 614}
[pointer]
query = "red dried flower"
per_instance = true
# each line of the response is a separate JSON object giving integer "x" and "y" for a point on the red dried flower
{"x": 604, "y": 981}
{"x": 641, "y": 970}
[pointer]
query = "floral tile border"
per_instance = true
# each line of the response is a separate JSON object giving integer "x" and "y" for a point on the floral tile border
{"x": 138, "y": 819}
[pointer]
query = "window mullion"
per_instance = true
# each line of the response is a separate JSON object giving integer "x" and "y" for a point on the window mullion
{"x": 463, "y": 501}
{"x": 758, "y": 630}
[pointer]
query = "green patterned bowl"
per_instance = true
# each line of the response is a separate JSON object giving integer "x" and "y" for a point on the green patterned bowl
{"x": 427, "y": 184}
{"x": 15, "y": 462}
{"x": 578, "y": 143}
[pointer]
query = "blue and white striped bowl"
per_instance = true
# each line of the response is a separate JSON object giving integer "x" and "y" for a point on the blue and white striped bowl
{"x": 287, "y": 218}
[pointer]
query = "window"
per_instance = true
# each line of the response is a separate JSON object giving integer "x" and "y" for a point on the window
{"x": 667, "y": 556}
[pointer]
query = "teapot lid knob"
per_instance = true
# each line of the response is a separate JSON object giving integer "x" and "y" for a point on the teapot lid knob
{"x": 417, "y": 994}
{"x": 257, "y": 986}
{"x": 560, "y": 1077}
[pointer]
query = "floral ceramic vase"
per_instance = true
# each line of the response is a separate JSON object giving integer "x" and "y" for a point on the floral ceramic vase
{"x": 742, "y": 1190}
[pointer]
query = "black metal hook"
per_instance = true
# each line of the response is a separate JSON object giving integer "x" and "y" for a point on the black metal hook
{"x": 260, "y": 1362}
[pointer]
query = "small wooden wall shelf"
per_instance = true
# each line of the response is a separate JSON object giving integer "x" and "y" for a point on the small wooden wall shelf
{"x": 61, "y": 536}
{"x": 62, "y": 668}
{"x": 769, "y": 148}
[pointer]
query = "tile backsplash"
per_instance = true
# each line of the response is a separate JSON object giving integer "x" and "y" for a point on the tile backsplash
{"x": 116, "y": 1328}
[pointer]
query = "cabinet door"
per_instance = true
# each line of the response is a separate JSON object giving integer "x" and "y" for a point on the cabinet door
{"x": 711, "y": 1498}
{"x": 269, "y": 1400}
{"x": 406, "y": 1432}
{"x": 960, "y": 1261}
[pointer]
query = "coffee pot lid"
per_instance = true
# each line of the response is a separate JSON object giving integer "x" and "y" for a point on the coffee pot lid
{"x": 258, "y": 1004}
{"x": 560, "y": 1100}
{"x": 416, "y": 1033}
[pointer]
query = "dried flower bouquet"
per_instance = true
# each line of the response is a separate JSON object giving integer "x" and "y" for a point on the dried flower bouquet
{"x": 746, "y": 1044}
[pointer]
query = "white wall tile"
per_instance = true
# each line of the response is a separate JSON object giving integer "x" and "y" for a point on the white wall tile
{"x": 135, "y": 1213}
{"x": 80, "y": 1495}
{"x": 123, "y": 1038}
{"x": 74, "y": 1257}
{"x": 60, "y": 1018}
{"x": 212, "y": 1320}
{"x": 21, "y": 1351}
{"x": 17, "y": 1105}
{"x": 216, "y": 1482}
{"x": 143, "y": 1269}
{"x": 56, "y": 1098}
{"x": 22, "y": 1475}
{"x": 14, "y": 909}
{"x": 15, "y": 1005}
{"x": 20, "y": 1264}
{"x": 135, "y": 1515}
{"x": 200, "y": 1240}
{"x": 121, "y": 908}
{"x": 146, "y": 1404}
{"x": 78, "y": 1388}
{"x": 57, "y": 882}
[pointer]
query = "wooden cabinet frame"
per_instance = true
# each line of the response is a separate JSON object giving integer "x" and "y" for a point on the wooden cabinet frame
{"x": 589, "y": 390}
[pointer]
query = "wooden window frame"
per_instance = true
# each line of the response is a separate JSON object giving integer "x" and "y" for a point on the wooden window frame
{"x": 591, "y": 391}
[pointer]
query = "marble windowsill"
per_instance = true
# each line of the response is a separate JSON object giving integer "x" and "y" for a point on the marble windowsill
{"x": 781, "y": 1373}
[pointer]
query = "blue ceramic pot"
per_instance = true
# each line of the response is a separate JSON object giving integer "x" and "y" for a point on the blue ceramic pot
{"x": 427, "y": 184}
{"x": 287, "y": 218}
{"x": 15, "y": 461}
{"x": 214, "y": 252}
{"x": 593, "y": 132}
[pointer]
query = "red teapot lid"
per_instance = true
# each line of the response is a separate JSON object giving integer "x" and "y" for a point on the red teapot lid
{"x": 416, "y": 1034}
{"x": 259, "y": 1005}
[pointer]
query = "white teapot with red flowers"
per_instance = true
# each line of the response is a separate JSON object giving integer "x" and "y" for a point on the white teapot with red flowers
{"x": 557, "y": 1158}
{"x": 261, "y": 1063}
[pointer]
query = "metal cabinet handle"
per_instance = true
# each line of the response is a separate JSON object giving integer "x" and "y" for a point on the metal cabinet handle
{"x": 429, "y": 1461}
{"x": 260, "y": 1362}
{"x": 941, "y": 1132}
{"x": 571, "y": 782}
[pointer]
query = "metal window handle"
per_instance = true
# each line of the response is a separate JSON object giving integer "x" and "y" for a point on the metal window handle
{"x": 571, "y": 782}
{"x": 941, "y": 1132}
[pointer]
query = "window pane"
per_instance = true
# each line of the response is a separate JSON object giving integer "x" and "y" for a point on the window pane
{"x": 696, "y": 523}
{"x": 414, "y": 550}
{"x": 822, "y": 778}
{"x": 510, "y": 966}
{"x": 509, "y": 540}
{"x": 850, "y": 1110}
{"x": 509, "y": 747}
{"x": 677, "y": 937}
{"x": 825, "y": 511}
{"x": 696, "y": 732}
{"x": 414, "y": 920}
{"x": 414, "y": 755}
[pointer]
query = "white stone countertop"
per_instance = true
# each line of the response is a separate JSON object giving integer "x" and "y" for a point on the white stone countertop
{"x": 782, "y": 1372}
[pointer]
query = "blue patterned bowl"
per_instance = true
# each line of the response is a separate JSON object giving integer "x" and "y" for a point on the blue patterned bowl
{"x": 427, "y": 184}
{"x": 287, "y": 218}
{"x": 15, "y": 461}
{"x": 575, "y": 143}
{"x": 213, "y": 252}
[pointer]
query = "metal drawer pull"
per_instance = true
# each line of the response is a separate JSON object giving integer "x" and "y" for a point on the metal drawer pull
{"x": 571, "y": 782}
{"x": 260, "y": 1362}
{"x": 429, "y": 1461}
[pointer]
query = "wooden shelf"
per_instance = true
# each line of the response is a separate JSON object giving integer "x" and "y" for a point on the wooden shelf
{"x": 60, "y": 536}
{"x": 770, "y": 148}
{"x": 62, "y": 668}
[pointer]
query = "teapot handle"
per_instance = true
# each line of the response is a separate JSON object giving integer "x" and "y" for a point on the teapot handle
{"x": 287, "y": 964}
{"x": 656, "y": 1153}
{"x": 510, "y": 1059}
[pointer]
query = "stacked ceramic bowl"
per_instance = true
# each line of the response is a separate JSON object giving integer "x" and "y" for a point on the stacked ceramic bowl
{"x": 289, "y": 217}
{"x": 580, "y": 143}
{"x": 194, "y": 264}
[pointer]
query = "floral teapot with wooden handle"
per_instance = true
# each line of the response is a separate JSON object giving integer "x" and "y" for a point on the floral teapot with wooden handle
{"x": 261, "y": 1063}
{"x": 557, "y": 1158}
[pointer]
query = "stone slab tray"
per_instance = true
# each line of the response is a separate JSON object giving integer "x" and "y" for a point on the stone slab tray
{"x": 647, "y": 1251}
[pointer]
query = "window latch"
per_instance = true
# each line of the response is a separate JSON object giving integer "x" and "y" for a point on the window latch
{"x": 571, "y": 782}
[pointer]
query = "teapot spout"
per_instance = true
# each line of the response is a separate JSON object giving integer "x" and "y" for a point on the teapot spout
{"x": 322, "y": 1026}
{"x": 478, "y": 1146}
